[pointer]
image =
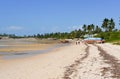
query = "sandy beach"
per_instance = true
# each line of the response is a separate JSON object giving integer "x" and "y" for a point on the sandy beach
{"x": 46, "y": 66}
{"x": 84, "y": 61}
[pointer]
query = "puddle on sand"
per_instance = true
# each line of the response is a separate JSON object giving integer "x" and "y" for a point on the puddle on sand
{"x": 7, "y": 55}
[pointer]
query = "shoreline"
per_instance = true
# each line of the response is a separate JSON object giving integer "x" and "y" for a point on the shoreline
{"x": 24, "y": 47}
{"x": 19, "y": 45}
{"x": 67, "y": 62}
{"x": 29, "y": 53}
{"x": 51, "y": 64}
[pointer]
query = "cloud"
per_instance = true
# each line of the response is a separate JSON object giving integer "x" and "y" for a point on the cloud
{"x": 75, "y": 27}
{"x": 55, "y": 29}
{"x": 15, "y": 28}
{"x": 52, "y": 29}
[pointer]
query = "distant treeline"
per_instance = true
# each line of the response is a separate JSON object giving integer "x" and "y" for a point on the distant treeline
{"x": 105, "y": 31}
{"x": 11, "y": 36}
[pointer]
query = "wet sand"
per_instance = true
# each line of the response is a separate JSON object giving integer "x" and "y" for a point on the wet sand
{"x": 20, "y": 45}
{"x": 20, "y": 48}
{"x": 84, "y": 61}
{"x": 24, "y": 47}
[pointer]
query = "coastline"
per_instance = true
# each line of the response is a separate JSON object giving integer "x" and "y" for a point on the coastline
{"x": 47, "y": 65}
{"x": 20, "y": 45}
{"x": 66, "y": 62}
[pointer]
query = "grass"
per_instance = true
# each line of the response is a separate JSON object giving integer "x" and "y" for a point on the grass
{"x": 116, "y": 43}
{"x": 112, "y": 37}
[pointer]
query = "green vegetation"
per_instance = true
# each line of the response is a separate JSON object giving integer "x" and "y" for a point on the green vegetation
{"x": 106, "y": 31}
{"x": 117, "y": 43}
{"x": 58, "y": 35}
{"x": 12, "y": 36}
{"x": 110, "y": 36}
{"x": 108, "y": 25}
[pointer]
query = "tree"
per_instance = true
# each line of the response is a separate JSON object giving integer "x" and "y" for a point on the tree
{"x": 108, "y": 25}
{"x": 111, "y": 25}
{"x": 78, "y": 33}
{"x": 84, "y": 28}
{"x": 92, "y": 28}
{"x": 72, "y": 34}
{"x": 98, "y": 29}
{"x": 89, "y": 28}
{"x": 105, "y": 24}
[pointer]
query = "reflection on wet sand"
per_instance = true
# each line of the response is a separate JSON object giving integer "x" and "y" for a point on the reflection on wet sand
{"x": 24, "y": 48}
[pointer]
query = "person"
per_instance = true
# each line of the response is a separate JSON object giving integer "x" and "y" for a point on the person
{"x": 76, "y": 42}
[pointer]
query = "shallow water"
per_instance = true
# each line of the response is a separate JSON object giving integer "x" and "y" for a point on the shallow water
{"x": 7, "y": 55}
{"x": 6, "y": 43}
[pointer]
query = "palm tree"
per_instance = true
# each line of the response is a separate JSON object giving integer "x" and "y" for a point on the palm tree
{"x": 105, "y": 24}
{"x": 111, "y": 24}
{"x": 97, "y": 29}
{"x": 84, "y": 28}
{"x": 89, "y": 28}
{"x": 72, "y": 34}
{"x": 92, "y": 28}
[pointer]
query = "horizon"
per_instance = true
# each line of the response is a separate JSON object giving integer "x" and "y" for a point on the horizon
{"x": 38, "y": 16}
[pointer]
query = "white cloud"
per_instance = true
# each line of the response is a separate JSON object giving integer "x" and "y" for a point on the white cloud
{"x": 75, "y": 27}
{"x": 55, "y": 29}
{"x": 15, "y": 28}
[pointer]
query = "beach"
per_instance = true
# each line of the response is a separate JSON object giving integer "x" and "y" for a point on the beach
{"x": 59, "y": 39}
{"x": 83, "y": 61}
{"x": 45, "y": 66}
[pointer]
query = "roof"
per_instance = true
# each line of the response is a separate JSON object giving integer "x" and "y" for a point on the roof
{"x": 93, "y": 39}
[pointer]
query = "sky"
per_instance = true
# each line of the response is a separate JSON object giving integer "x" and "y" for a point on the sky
{"x": 28, "y": 17}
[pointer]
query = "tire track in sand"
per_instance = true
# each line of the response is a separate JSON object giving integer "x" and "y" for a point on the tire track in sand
{"x": 90, "y": 68}
{"x": 112, "y": 61}
{"x": 95, "y": 64}
{"x": 73, "y": 67}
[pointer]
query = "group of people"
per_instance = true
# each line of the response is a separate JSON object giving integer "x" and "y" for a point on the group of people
{"x": 77, "y": 42}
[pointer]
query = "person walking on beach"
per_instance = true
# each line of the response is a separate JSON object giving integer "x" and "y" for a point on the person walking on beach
{"x": 77, "y": 42}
